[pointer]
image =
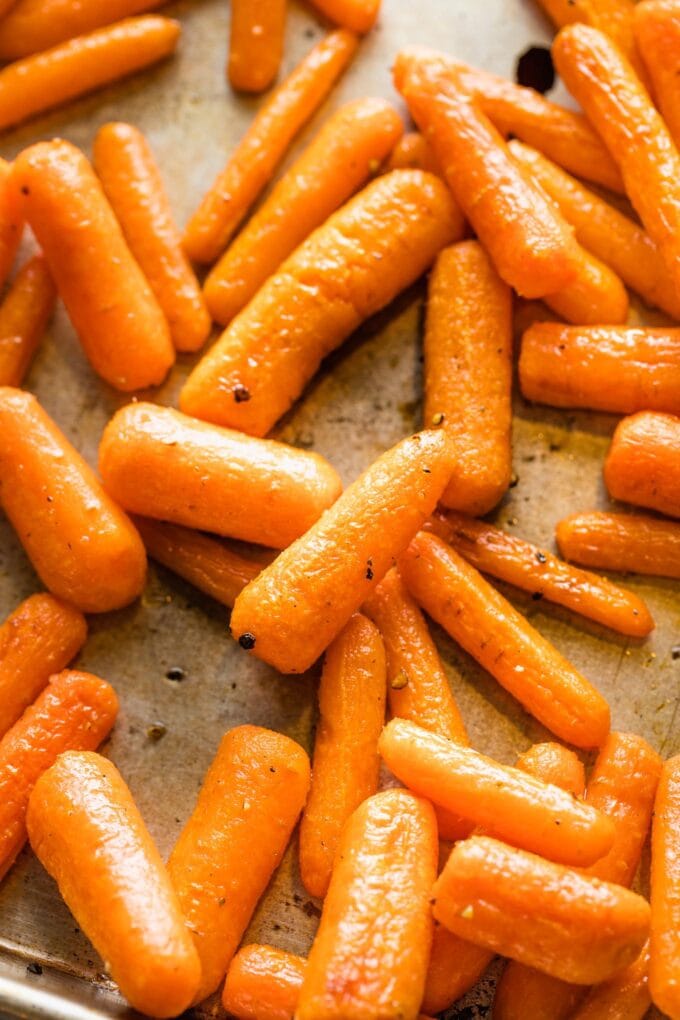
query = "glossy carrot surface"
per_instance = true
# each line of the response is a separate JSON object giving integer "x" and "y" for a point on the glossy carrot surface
{"x": 626, "y": 542}
{"x": 664, "y": 962}
{"x": 24, "y": 315}
{"x": 357, "y": 15}
{"x": 255, "y": 43}
{"x": 11, "y": 219}
{"x": 642, "y": 465}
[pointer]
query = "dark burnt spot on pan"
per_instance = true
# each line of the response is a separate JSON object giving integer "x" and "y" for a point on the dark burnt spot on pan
{"x": 535, "y": 69}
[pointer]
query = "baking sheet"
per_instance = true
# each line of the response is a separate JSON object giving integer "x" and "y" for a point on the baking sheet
{"x": 365, "y": 400}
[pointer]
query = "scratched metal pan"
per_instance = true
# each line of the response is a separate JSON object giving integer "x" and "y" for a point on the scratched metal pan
{"x": 364, "y": 401}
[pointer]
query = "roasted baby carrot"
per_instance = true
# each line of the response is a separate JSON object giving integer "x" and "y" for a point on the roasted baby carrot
{"x": 24, "y": 315}
{"x": 87, "y": 832}
{"x": 75, "y": 712}
{"x": 225, "y": 856}
{"x": 292, "y": 611}
{"x": 337, "y": 162}
{"x": 160, "y": 463}
{"x": 530, "y": 246}
{"x": 623, "y": 997}
{"x": 38, "y": 639}
{"x": 369, "y": 957}
{"x": 468, "y": 373}
{"x": 596, "y": 295}
{"x": 357, "y": 15}
{"x": 133, "y": 185}
{"x": 613, "y": 17}
{"x": 552, "y": 763}
{"x": 256, "y": 157}
{"x": 478, "y": 617}
{"x": 81, "y": 65}
{"x": 630, "y": 542}
{"x": 255, "y": 43}
{"x": 82, "y": 546}
{"x": 579, "y": 928}
{"x": 345, "y": 765}
{"x": 349, "y": 268}
{"x": 656, "y": 25}
{"x": 118, "y": 320}
{"x": 642, "y": 464}
{"x": 11, "y": 220}
{"x": 664, "y": 960}
{"x": 413, "y": 152}
{"x": 263, "y": 983}
{"x": 536, "y": 570}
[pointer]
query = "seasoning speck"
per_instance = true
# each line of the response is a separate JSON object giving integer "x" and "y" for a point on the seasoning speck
{"x": 156, "y": 731}
{"x": 247, "y": 641}
{"x": 437, "y": 419}
{"x": 175, "y": 673}
{"x": 675, "y": 652}
{"x": 400, "y": 681}
{"x": 541, "y": 557}
{"x": 467, "y": 912}
{"x": 241, "y": 394}
{"x": 34, "y": 968}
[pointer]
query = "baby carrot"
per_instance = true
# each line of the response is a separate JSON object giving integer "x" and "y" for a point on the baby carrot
{"x": 412, "y": 151}
{"x": 133, "y": 185}
{"x": 552, "y": 763}
{"x": 656, "y": 25}
{"x": 468, "y": 373}
{"x": 345, "y": 765}
{"x": 263, "y": 983}
{"x": 485, "y": 624}
{"x": 642, "y": 464}
{"x": 292, "y": 611}
{"x": 613, "y": 17}
{"x": 160, "y": 463}
{"x": 338, "y": 161}
{"x": 349, "y": 268}
{"x": 608, "y": 541}
{"x": 625, "y": 996}
{"x": 75, "y": 712}
{"x": 357, "y": 15}
{"x": 255, "y": 43}
{"x": 71, "y": 69}
{"x": 664, "y": 965}
{"x": 38, "y": 639}
{"x": 24, "y": 315}
{"x": 11, "y": 220}
{"x": 81, "y": 545}
{"x": 531, "y": 248}
{"x": 87, "y": 832}
{"x": 369, "y": 957}
{"x": 226, "y": 854}
{"x": 262, "y": 148}
{"x": 596, "y": 295}
{"x": 119, "y": 322}
{"x": 579, "y": 928}
{"x": 536, "y": 570}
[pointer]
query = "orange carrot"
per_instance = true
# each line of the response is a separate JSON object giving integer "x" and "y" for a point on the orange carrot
{"x": 369, "y": 957}
{"x": 87, "y": 832}
{"x": 664, "y": 964}
{"x": 339, "y": 160}
{"x": 119, "y": 322}
{"x": 468, "y": 373}
{"x": 477, "y": 616}
{"x": 413, "y": 152}
{"x": 623, "y": 997}
{"x": 635, "y": 542}
{"x": 255, "y": 43}
{"x": 656, "y": 25}
{"x": 357, "y": 15}
{"x": 262, "y": 148}
{"x": 552, "y": 763}
{"x": 349, "y": 268}
{"x": 642, "y": 464}
{"x": 75, "y": 712}
{"x": 524, "y": 991}
{"x": 158, "y": 462}
{"x": 292, "y": 611}
{"x": 596, "y": 295}
{"x": 235, "y": 838}
{"x": 263, "y": 983}
{"x": 71, "y": 69}
{"x": 530, "y": 246}
{"x": 613, "y": 17}
{"x": 133, "y": 185}
{"x": 24, "y": 315}
{"x": 579, "y": 928}
{"x": 82, "y": 546}
{"x": 11, "y": 220}
{"x": 345, "y": 766}
{"x": 38, "y": 639}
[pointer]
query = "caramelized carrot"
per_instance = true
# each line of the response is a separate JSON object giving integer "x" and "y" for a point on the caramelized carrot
{"x": 524, "y": 991}
{"x": 554, "y": 764}
{"x": 477, "y": 616}
{"x": 82, "y": 546}
{"x": 292, "y": 611}
{"x": 596, "y": 295}
{"x": 75, "y": 712}
{"x": 337, "y": 162}
{"x": 38, "y": 639}
{"x": 357, "y": 15}
{"x": 255, "y": 43}
{"x": 635, "y": 542}
{"x": 369, "y": 957}
{"x": 87, "y": 832}
{"x": 664, "y": 961}
{"x": 262, "y": 148}
{"x": 11, "y": 220}
{"x": 263, "y": 983}
{"x": 24, "y": 315}
{"x": 119, "y": 322}
{"x": 413, "y": 152}
{"x": 623, "y": 997}
{"x": 345, "y": 766}
{"x": 350, "y": 268}
{"x": 656, "y": 25}
{"x": 158, "y": 462}
{"x": 235, "y": 838}
{"x": 642, "y": 464}
{"x": 613, "y": 17}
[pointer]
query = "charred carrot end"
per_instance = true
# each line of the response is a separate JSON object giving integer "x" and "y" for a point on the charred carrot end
{"x": 24, "y": 315}
{"x": 122, "y": 329}
{"x": 357, "y": 15}
{"x": 160, "y": 463}
{"x": 11, "y": 220}
{"x": 478, "y": 617}
{"x": 80, "y": 543}
{"x": 75, "y": 712}
{"x": 665, "y": 892}
{"x": 263, "y": 983}
{"x": 376, "y": 245}
{"x": 624, "y": 997}
{"x": 356, "y": 138}
{"x": 225, "y": 856}
{"x": 382, "y": 881}
{"x": 657, "y": 33}
{"x": 642, "y": 464}
{"x": 292, "y": 611}
{"x": 38, "y": 639}
{"x": 596, "y": 295}
{"x": 258, "y": 154}
{"x": 413, "y": 152}
{"x": 255, "y": 43}
{"x": 625, "y": 542}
